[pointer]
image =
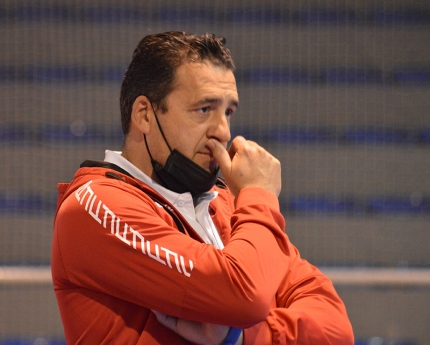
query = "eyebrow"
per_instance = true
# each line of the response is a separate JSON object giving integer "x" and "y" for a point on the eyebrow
{"x": 216, "y": 101}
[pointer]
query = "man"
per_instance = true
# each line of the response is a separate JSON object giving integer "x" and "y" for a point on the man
{"x": 151, "y": 248}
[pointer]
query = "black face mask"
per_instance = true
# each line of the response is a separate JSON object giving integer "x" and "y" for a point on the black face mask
{"x": 180, "y": 174}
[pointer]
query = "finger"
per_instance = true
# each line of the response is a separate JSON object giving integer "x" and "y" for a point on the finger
{"x": 237, "y": 142}
{"x": 220, "y": 154}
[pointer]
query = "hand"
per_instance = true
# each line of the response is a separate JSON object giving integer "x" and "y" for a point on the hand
{"x": 246, "y": 164}
{"x": 196, "y": 332}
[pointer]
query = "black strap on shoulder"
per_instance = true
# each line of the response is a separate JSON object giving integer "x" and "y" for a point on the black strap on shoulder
{"x": 102, "y": 164}
{"x": 111, "y": 174}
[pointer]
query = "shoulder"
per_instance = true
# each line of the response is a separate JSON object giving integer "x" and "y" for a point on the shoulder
{"x": 91, "y": 183}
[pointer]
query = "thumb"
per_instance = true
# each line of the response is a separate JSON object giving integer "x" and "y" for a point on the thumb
{"x": 221, "y": 156}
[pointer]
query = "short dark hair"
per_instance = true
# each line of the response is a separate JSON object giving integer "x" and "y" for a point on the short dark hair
{"x": 155, "y": 61}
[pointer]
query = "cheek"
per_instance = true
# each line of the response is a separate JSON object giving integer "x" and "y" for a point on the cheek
{"x": 189, "y": 140}
{"x": 159, "y": 151}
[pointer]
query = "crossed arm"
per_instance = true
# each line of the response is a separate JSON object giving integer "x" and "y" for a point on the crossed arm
{"x": 306, "y": 309}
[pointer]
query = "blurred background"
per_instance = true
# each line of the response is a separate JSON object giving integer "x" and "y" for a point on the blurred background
{"x": 339, "y": 91}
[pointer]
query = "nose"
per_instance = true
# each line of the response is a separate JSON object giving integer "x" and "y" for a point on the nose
{"x": 219, "y": 129}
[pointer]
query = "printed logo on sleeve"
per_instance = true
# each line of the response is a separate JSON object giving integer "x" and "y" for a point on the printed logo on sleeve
{"x": 105, "y": 216}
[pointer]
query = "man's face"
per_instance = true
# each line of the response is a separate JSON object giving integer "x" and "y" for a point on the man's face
{"x": 199, "y": 108}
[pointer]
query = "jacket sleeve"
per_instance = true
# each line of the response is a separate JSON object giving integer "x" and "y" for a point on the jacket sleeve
{"x": 307, "y": 310}
{"x": 110, "y": 238}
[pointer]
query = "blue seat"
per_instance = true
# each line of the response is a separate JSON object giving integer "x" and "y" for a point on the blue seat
{"x": 398, "y": 205}
{"x": 412, "y": 76}
{"x": 13, "y": 133}
{"x": 322, "y": 205}
{"x": 80, "y": 133}
{"x": 326, "y": 16}
{"x": 21, "y": 202}
{"x": 277, "y": 75}
{"x": 424, "y": 136}
{"x": 257, "y": 16}
{"x": 352, "y": 75}
{"x": 303, "y": 135}
{"x": 378, "y": 135}
{"x": 402, "y": 16}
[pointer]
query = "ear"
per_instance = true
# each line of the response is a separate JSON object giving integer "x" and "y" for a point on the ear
{"x": 141, "y": 114}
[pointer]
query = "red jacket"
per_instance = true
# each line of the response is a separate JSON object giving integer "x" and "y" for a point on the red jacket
{"x": 117, "y": 253}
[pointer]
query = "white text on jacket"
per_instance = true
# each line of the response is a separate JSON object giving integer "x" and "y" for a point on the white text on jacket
{"x": 104, "y": 215}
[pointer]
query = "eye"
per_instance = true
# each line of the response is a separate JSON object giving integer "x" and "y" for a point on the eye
{"x": 229, "y": 112}
{"x": 205, "y": 110}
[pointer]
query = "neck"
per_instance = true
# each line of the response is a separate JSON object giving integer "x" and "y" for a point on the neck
{"x": 135, "y": 152}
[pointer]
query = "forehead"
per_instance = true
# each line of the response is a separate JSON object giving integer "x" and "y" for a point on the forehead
{"x": 199, "y": 79}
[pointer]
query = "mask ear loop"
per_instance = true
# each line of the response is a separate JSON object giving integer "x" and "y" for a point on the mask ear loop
{"x": 147, "y": 148}
{"x": 159, "y": 127}
{"x": 162, "y": 134}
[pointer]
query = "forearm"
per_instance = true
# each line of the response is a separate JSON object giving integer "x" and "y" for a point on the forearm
{"x": 313, "y": 315}
{"x": 301, "y": 328}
